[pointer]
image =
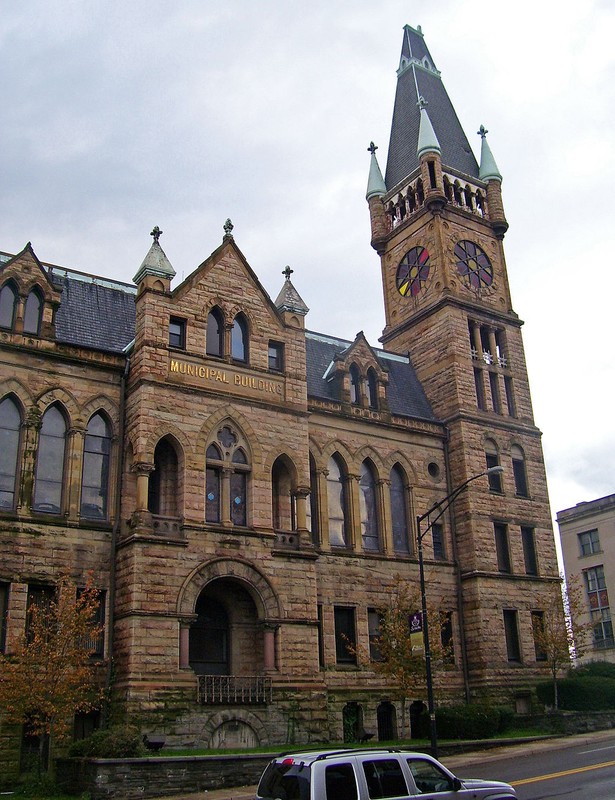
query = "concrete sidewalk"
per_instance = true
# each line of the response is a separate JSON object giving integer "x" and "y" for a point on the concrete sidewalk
{"x": 460, "y": 761}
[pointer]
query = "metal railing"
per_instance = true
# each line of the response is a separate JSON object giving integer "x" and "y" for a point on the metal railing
{"x": 234, "y": 690}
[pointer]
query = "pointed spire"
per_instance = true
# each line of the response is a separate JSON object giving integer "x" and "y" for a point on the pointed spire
{"x": 289, "y": 298}
{"x": 428, "y": 141}
{"x": 375, "y": 182}
{"x": 488, "y": 168}
{"x": 155, "y": 262}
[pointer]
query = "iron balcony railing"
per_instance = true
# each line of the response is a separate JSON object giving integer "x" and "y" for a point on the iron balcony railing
{"x": 234, "y": 690}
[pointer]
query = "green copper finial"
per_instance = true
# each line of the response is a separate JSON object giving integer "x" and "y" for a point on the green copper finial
{"x": 488, "y": 168}
{"x": 428, "y": 141}
{"x": 375, "y": 183}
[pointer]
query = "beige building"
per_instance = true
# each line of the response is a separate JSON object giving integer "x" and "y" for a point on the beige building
{"x": 587, "y": 533}
{"x": 245, "y": 490}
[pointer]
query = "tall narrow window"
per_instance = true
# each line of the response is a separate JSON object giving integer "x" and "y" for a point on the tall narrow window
{"x": 529, "y": 550}
{"x": 275, "y": 355}
{"x": 374, "y": 619}
{"x": 215, "y": 333}
{"x": 519, "y": 473}
{"x": 399, "y": 510}
{"x": 95, "y": 476}
{"x": 50, "y": 462}
{"x": 355, "y": 384}
{"x": 372, "y": 389}
{"x": 239, "y": 338}
{"x": 40, "y": 596}
{"x": 369, "y": 508}
{"x": 510, "y": 396}
{"x": 227, "y": 472}
{"x": 10, "y": 424}
{"x": 495, "y": 392}
{"x": 282, "y": 496}
{"x": 177, "y": 333}
{"x": 480, "y": 389}
{"x": 32, "y": 313}
{"x": 492, "y": 459}
{"x": 538, "y": 629}
{"x": 213, "y": 481}
{"x": 511, "y": 632}
{"x": 345, "y": 635}
{"x": 501, "y": 547}
{"x": 437, "y": 535}
{"x": 600, "y": 612}
{"x": 336, "y": 497}
{"x": 446, "y": 639}
{"x": 312, "y": 504}
{"x": 239, "y": 488}
{"x": 8, "y": 305}
{"x": 163, "y": 481}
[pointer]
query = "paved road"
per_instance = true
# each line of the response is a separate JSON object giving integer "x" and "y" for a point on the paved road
{"x": 545, "y": 769}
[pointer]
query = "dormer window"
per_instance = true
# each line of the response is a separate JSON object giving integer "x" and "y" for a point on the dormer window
{"x": 239, "y": 338}
{"x": 372, "y": 389}
{"x": 215, "y": 333}
{"x": 8, "y": 305}
{"x": 355, "y": 385}
{"x": 32, "y": 313}
{"x": 276, "y": 356}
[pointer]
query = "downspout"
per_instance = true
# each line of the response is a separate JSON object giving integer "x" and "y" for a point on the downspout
{"x": 115, "y": 533}
{"x": 462, "y": 626}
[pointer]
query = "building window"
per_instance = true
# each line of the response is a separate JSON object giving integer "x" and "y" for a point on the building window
{"x": 276, "y": 356}
{"x": 336, "y": 499}
{"x": 510, "y": 395}
{"x": 8, "y": 305}
{"x": 227, "y": 471}
{"x": 4, "y": 605}
{"x": 480, "y": 389}
{"x": 95, "y": 474}
{"x": 374, "y": 621}
{"x": 214, "y": 345}
{"x": 538, "y": 628}
{"x": 399, "y": 510}
{"x": 446, "y": 638}
{"x": 437, "y": 536}
{"x": 372, "y": 389}
{"x": 495, "y": 392}
{"x": 210, "y": 634}
{"x": 177, "y": 333}
{"x": 492, "y": 459}
{"x": 355, "y": 385}
{"x": 40, "y": 597}
{"x": 511, "y": 632}
{"x": 96, "y": 644}
{"x": 501, "y": 547}
{"x": 589, "y": 543}
{"x": 600, "y": 612}
{"x": 239, "y": 339}
{"x": 345, "y": 635}
{"x": 312, "y": 512}
{"x": 282, "y": 496}
{"x": 50, "y": 462}
{"x": 369, "y": 508}
{"x": 10, "y": 426}
{"x": 33, "y": 313}
{"x": 529, "y": 550}
{"x": 163, "y": 481}
{"x": 519, "y": 473}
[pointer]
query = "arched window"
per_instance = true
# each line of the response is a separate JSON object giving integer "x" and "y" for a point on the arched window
{"x": 492, "y": 459}
{"x": 369, "y": 508}
{"x": 8, "y": 304}
{"x": 336, "y": 497}
{"x": 355, "y": 384}
{"x": 215, "y": 333}
{"x": 32, "y": 313}
{"x": 372, "y": 389}
{"x": 10, "y": 424}
{"x": 239, "y": 338}
{"x": 50, "y": 462}
{"x": 95, "y": 474}
{"x": 282, "y": 496}
{"x": 163, "y": 481}
{"x": 399, "y": 510}
{"x": 312, "y": 505}
{"x": 519, "y": 472}
{"x": 227, "y": 471}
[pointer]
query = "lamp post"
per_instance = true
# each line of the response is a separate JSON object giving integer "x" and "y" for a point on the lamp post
{"x": 438, "y": 509}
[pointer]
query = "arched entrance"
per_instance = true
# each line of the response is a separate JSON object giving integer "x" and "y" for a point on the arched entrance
{"x": 387, "y": 723}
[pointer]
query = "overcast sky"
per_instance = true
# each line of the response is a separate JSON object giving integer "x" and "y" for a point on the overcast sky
{"x": 118, "y": 115}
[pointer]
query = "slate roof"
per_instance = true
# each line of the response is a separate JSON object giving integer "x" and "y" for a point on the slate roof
{"x": 91, "y": 314}
{"x": 404, "y": 393}
{"x": 413, "y": 74}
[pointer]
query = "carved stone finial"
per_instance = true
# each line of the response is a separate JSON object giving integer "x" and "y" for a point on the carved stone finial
{"x": 287, "y": 272}
{"x": 228, "y": 229}
{"x": 372, "y": 148}
{"x": 156, "y": 233}
{"x": 422, "y": 103}
{"x": 482, "y": 131}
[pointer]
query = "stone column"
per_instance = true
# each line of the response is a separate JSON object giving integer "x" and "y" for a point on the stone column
{"x": 75, "y": 442}
{"x": 385, "y": 517}
{"x": 141, "y": 517}
{"x": 353, "y": 511}
{"x": 269, "y": 635}
{"x": 25, "y": 488}
{"x": 225, "y": 497}
{"x": 184, "y": 640}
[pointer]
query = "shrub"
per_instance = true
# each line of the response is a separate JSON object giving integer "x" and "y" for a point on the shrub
{"x": 120, "y": 742}
{"x": 594, "y": 669}
{"x": 580, "y": 694}
{"x": 468, "y": 722}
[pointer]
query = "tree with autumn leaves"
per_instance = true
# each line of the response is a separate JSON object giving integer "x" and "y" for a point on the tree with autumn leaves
{"x": 47, "y": 674}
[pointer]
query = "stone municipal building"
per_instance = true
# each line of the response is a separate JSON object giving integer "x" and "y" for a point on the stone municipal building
{"x": 245, "y": 490}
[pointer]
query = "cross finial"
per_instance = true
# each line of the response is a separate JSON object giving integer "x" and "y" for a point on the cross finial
{"x": 422, "y": 103}
{"x": 482, "y": 131}
{"x": 287, "y": 272}
{"x": 156, "y": 233}
{"x": 228, "y": 228}
{"x": 372, "y": 148}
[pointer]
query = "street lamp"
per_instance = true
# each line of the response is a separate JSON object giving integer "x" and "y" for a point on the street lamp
{"x": 438, "y": 509}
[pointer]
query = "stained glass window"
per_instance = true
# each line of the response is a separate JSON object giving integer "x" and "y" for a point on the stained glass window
{"x": 473, "y": 264}
{"x": 412, "y": 272}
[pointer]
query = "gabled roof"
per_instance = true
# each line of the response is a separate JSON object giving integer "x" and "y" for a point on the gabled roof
{"x": 418, "y": 77}
{"x": 405, "y": 394}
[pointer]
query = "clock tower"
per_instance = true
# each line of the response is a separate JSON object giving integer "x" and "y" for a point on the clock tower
{"x": 438, "y": 225}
